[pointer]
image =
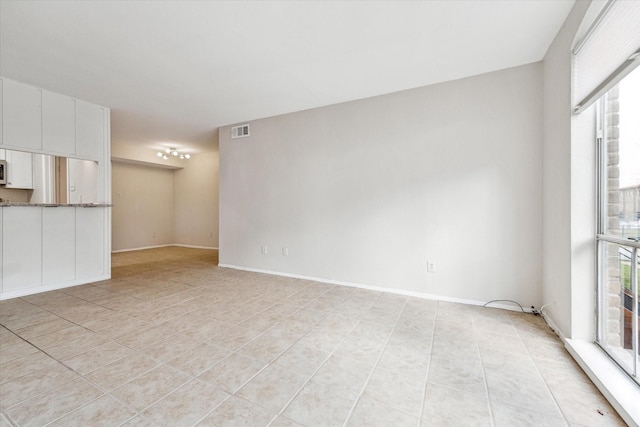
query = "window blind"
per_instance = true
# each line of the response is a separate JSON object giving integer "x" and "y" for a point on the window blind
{"x": 608, "y": 52}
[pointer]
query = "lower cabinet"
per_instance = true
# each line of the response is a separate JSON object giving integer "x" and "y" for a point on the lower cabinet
{"x": 45, "y": 248}
{"x": 89, "y": 242}
{"x": 22, "y": 248}
{"x": 58, "y": 244}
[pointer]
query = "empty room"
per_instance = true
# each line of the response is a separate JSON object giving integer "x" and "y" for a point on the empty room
{"x": 320, "y": 213}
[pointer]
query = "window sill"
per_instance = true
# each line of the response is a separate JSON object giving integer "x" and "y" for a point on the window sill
{"x": 616, "y": 386}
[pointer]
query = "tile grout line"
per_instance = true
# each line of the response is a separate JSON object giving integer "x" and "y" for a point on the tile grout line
{"x": 9, "y": 419}
{"x": 544, "y": 381}
{"x": 375, "y": 365}
{"x": 52, "y": 358}
{"x": 484, "y": 374}
{"x": 270, "y": 362}
{"x": 426, "y": 380}
{"x": 135, "y": 352}
{"x": 331, "y": 353}
{"x": 82, "y": 376}
{"x": 160, "y": 362}
{"x": 139, "y": 412}
{"x": 281, "y": 412}
{"x": 75, "y": 409}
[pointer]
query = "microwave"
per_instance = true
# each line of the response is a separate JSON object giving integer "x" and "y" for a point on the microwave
{"x": 3, "y": 172}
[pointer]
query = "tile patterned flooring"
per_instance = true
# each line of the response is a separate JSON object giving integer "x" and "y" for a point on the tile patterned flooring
{"x": 174, "y": 340}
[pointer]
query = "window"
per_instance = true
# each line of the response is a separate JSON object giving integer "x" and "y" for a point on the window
{"x": 618, "y": 228}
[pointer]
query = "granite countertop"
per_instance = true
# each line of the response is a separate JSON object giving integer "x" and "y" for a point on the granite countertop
{"x": 56, "y": 205}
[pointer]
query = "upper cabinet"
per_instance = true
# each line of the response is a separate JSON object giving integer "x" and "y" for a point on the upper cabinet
{"x": 37, "y": 120}
{"x": 58, "y": 123}
{"x": 1, "y": 98}
{"x": 19, "y": 169}
{"x": 89, "y": 130}
{"x": 21, "y": 115}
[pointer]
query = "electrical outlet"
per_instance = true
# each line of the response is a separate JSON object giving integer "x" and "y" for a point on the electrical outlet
{"x": 211, "y": 234}
{"x": 264, "y": 249}
{"x": 154, "y": 235}
{"x": 431, "y": 266}
{"x": 285, "y": 251}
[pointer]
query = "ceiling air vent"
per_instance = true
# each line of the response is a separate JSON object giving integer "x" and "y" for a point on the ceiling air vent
{"x": 239, "y": 131}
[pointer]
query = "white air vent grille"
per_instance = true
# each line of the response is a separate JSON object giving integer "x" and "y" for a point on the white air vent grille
{"x": 239, "y": 131}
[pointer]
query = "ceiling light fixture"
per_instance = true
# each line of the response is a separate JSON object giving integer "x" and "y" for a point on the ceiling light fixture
{"x": 172, "y": 152}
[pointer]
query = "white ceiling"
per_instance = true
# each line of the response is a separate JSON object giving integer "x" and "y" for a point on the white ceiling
{"x": 174, "y": 71}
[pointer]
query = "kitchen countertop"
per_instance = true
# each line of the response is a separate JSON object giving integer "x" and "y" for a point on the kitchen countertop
{"x": 56, "y": 205}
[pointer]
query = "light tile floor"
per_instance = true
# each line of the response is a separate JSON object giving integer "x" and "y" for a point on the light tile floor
{"x": 174, "y": 340}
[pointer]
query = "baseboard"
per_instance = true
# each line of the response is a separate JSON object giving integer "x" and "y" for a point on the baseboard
{"x": 140, "y": 248}
{"x": 162, "y": 246}
{"x": 194, "y": 246}
{"x": 57, "y": 286}
{"x": 554, "y": 327}
{"x": 375, "y": 288}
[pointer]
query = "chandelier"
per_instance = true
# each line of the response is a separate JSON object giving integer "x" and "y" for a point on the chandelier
{"x": 172, "y": 152}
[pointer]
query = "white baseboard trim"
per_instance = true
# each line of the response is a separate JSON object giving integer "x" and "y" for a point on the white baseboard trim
{"x": 47, "y": 288}
{"x": 554, "y": 327}
{"x": 375, "y": 288}
{"x": 615, "y": 385}
{"x": 162, "y": 246}
{"x": 142, "y": 248}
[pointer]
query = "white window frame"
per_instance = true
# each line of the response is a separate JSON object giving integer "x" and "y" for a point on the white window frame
{"x": 602, "y": 239}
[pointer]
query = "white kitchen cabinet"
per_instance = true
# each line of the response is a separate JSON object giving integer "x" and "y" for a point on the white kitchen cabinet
{"x": 21, "y": 248}
{"x": 58, "y": 244}
{"x": 19, "y": 169}
{"x": 58, "y": 123}
{"x": 90, "y": 130}
{"x": 41, "y": 247}
{"x": 21, "y": 115}
{"x": 1, "y": 98}
{"x": 90, "y": 244}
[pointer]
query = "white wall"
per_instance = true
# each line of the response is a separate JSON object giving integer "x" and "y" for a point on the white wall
{"x": 367, "y": 191}
{"x": 196, "y": 201}
{"x": 568, "y": 187}
{"x": 142, "y": 205}
{"x": 179, "y": 205}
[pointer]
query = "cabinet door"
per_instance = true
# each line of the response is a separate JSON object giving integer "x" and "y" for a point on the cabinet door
{"x": 58, "y": 123}
{"x": 19, "y": 169}
{"x": 21, "y": 248}
{"x": 1, "y": 98}
{"x": 58, "y": 244}
{"x": 89, "y": 130}
{"x": 89, "y": 242}
{"x": 21, "y": 115}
